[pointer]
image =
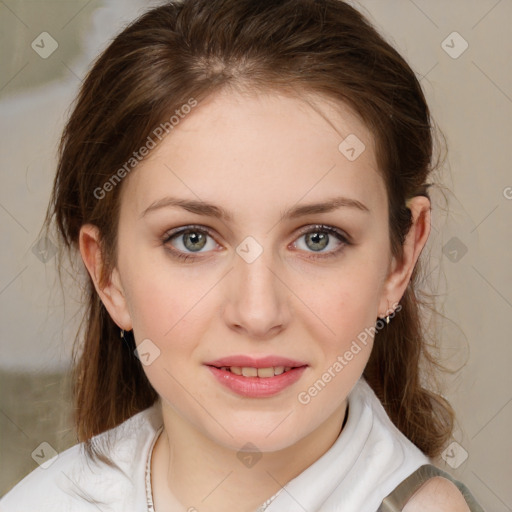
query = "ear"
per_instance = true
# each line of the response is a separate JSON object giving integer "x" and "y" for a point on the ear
{"x": 400, "y": 272}
{"x": 111, "y": 291}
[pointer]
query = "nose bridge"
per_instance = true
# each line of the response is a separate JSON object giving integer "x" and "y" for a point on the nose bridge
{"x": 257, "y": 297}
{"x": 257, "y": 274}
{"x": 254, "y": 269}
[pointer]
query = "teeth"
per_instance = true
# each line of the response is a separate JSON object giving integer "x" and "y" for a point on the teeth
{"x": 248, "y": 371}
{"x": 266, "y": 372}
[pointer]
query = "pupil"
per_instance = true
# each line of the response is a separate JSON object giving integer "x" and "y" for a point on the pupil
{"x": 195, "y": 238}
{"x": 319, "y": 240}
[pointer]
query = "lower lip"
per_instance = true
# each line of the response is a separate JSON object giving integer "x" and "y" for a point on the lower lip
{"x": 257, "y": 387}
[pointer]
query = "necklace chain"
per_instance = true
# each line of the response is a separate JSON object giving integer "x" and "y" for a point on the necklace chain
{"x": 149, "y": 494}
{"x": 268, "y": 502}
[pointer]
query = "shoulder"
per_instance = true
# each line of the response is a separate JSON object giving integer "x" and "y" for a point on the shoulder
{"x": 72, "y": 480}
{"x": 437, "y": 494}
{"x": 46, "y": 485}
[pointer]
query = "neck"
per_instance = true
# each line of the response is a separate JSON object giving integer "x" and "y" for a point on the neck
{"x": 192, "y": 472}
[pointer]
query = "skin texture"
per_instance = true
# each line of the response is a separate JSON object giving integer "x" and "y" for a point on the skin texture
{"x": 437, "y": 494}
{"x": 255, "y": 155}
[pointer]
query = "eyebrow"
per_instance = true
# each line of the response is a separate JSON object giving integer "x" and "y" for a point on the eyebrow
{"x": 211, "y": 210}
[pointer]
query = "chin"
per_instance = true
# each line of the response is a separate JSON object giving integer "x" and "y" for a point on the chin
{"x": 258, "y": 437}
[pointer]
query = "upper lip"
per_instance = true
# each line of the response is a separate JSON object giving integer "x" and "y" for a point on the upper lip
{"x": 256, "y": 362}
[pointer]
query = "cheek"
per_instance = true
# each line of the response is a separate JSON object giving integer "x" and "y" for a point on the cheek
{"x": 162, "y": 298}
{"x": 164, "y": 313}
{"x": 346, "y": 303}
{"x": 346, "y": 345}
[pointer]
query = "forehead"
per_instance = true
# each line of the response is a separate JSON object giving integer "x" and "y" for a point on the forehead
{"x": 243, "y": 149}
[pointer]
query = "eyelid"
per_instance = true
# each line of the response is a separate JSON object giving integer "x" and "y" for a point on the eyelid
{"x": 190, "y": 227}
{"x": 325, "y": 227}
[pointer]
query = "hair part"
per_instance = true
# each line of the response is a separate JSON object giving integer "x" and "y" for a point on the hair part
{"x": 193, "y": 49}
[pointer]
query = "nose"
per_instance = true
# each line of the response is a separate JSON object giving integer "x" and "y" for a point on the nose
{"x": 257, "y": 302}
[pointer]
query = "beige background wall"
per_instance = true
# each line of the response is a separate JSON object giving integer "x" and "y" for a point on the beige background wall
{"x": 470, "y": 92}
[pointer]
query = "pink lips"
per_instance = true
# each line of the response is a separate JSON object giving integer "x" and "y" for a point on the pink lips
{"x": 256, "y": 387}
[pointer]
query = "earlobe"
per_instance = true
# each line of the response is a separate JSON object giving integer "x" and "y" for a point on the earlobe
{"x": 400, "y": 272}
{"x": 109, "y": 288}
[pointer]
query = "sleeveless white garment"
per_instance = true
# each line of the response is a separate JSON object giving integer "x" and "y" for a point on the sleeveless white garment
{"x": 366, "y": 462}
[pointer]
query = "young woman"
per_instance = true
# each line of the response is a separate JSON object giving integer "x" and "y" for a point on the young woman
{"x": 246, "y": 184}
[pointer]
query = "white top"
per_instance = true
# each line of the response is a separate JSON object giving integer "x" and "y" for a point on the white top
{"x": 367, "y": 461}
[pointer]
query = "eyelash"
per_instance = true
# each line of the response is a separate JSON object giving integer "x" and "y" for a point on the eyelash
{"x": 311, "y": 229}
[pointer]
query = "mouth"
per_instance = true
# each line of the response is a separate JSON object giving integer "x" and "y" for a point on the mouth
{"x": 251, "y": 363}
{"x": 256, "y": 378}
{"x": 262, "y": 373}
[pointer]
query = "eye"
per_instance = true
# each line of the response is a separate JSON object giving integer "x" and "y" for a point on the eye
{"x": 318, "y": 237}
{"x": 190, "y": 238}
{"x": 185, "y": 241}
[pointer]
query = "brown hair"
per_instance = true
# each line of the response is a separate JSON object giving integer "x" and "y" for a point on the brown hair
{"x": 192, "y": 49}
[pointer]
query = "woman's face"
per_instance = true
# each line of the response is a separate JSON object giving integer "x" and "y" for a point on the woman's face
{"x": 264, "y": 280}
